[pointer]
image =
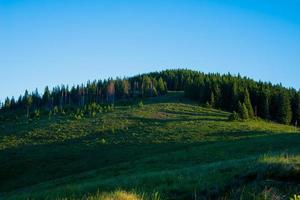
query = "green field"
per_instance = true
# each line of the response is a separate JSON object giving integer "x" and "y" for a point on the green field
{"x": 167, "y": 148}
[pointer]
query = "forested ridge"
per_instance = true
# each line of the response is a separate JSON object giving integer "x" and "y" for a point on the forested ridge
{"x": 243, "y": 96}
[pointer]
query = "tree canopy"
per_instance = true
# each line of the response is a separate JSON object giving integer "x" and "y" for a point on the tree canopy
{"x": 226, "y": 92}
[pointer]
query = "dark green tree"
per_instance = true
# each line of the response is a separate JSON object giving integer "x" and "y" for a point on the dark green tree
{"x": 284, "y": 113}
{"x": 264, "y": 104}
{"x": 212, "y": 101}
{"x": 147, "y": 89}
{"x": 248, "y": 104}
{"x": 242, "y": 111}
{"x": 28, "y": 104}
{"x": 296, "y": 108}
{"x": 234, "y": 97}
{"x": 234, "y": 116}
{"x": 46, "y": 99}
{"x": 7, "y": 103}
{"x": 161, "y": 88}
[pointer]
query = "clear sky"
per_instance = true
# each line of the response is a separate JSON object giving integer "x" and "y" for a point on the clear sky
{"x": 53, "y": 42}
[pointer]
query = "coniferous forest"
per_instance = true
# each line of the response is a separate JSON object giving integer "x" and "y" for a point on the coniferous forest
{"x": 242, "y": 96}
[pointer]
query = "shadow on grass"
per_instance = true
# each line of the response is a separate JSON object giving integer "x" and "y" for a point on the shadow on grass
{"x": 32, "y": 164}
{"x": 203, "y": 113}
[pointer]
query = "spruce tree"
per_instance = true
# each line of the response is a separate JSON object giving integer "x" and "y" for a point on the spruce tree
{"x": 248, "y": 104}
{"x": 264, "y": 111}
{"x": 296, "y": 108}
{"x": 28, "y": 104}
{"x": 234, "y": 116}
{"x": 161, "y": 86}
{"x": 243, "y": 111}
{"x": 234, "y": 96}
{"x": 110, "y": 92}
{"x": 126, "y": 88}
{"x": 7, "y": 103}
{"x": 46, "y": 96}
{"x": 284, "y": 113}
{"x": 218, "y": 97}
{"x": 12, "y": 103}
{"x": 212, "y": 100}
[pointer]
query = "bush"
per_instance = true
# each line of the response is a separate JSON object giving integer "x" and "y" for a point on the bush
{"x": 295, "y": 197}
{"x": 234, "y": 116}
{"x": 79, "y": 114}
{"x": 110, "y": 108}
{"x": 62, "y": 112}
{"x": 103, "y": 141}
{"x": 243, "y": 111}
{"x": 140, "y": 104}
{"x": 208, "y": 105}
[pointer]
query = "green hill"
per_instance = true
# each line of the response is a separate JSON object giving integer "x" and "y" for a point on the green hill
{"x": 167, "y": 147}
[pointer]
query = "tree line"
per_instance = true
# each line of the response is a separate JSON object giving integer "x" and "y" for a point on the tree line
{"x": 242, "y": 96}
{"x": 96, "y": 92}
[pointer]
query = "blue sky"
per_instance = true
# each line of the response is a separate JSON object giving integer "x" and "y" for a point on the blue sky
{"x": 53, "y": 42}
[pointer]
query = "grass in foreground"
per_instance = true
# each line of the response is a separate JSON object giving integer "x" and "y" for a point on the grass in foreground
{"x": 122, "y": 195}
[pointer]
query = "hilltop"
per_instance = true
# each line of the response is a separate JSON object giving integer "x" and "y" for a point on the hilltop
{"x": 166, "y": 147}
{"x": 246, "y": 98}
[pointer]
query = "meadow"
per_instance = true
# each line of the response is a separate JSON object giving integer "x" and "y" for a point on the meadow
{"x": 163, "y": 148}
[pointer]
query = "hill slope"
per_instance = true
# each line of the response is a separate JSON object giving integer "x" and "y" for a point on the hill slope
{"x": 168, "y": 147}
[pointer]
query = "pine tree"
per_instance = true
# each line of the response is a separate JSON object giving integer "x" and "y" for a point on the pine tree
{"x": 243, "y": 111}
{"x": 218, "y": 97}
{"x": 46, "y": 97}
{"x": 248, "y": 104}
{"x": 7, "y": 103}
{"x": 28, "y": 104}
{"x": 234, "y": 96}
{"x": 284, "y": 113}
{"x": 147, "y": 87}
{"x": 296, "y": 108}
{"x": 264, "y": 104}
{"x": 234, "y": 116}
{"x": 126, "y": 88}
{"x": 111, "y": 92}
{"x": 12, "y": 103}
{"x": 212, "y": 100}
{"x": 161, "y": 87}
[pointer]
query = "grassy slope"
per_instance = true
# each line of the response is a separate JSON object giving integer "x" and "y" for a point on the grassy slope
{"x": 170, "y": 145}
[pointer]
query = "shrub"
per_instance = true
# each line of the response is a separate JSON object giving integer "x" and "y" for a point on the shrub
{"x": 140, "y": 104}
{"x": 55, "y": 110}
{"x": 234, "y": 116}
{"x": 62, "y": 112}
{"x": 243, "y": 111}
{"x": 208, "y": 105}
{"x": 295, "y": 197}
{"x": 110, "y": 108}
{"x": 79, "y": 114}
{"x": 103, "y": 141}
